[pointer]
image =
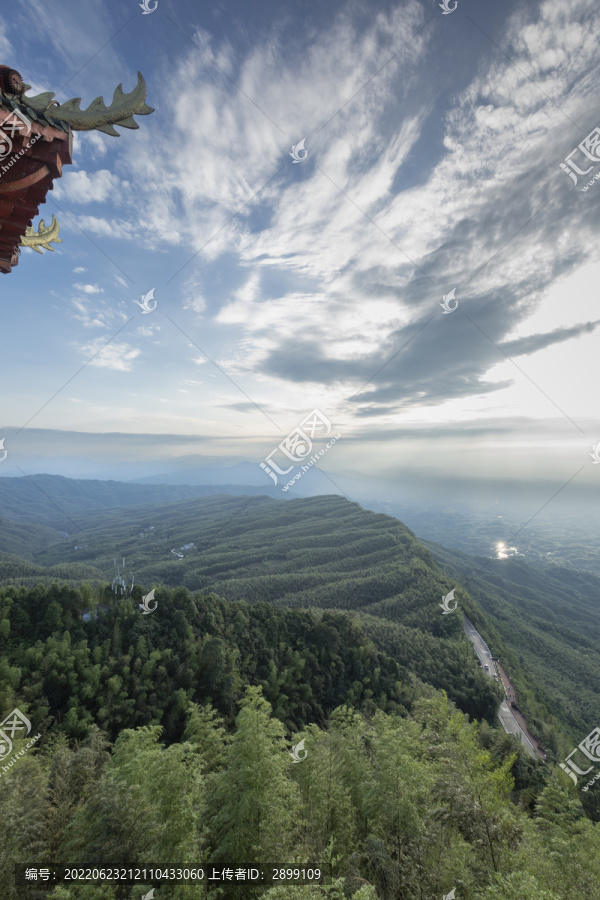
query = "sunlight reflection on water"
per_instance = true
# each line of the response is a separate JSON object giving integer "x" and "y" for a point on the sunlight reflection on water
{"x": 503, "y": 552}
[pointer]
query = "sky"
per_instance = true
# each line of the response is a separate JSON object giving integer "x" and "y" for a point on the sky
{"x": 430, "y": 166}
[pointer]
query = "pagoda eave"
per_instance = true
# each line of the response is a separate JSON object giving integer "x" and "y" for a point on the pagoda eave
{"x": 27, "y": 173}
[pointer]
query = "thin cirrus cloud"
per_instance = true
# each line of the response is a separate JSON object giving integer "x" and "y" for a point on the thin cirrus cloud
{"x": 87, "y": 314}
{"x": 450, "y": 226}
{"x": 108, "y": 228}
{"x": 241, "y": 147}
{"x": 192, "y": 295}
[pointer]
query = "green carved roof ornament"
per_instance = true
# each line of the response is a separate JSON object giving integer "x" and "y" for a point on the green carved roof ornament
{"x": 98, "y": 116}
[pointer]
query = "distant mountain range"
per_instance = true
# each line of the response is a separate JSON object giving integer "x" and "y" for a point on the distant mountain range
{"x": 244, "y": 473}
{"x": 312, "y": 483}
{"x": 52, "y": 499}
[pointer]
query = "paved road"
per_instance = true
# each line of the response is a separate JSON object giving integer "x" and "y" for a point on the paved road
{"x": 511, "y": 726}
{"x": 483, "y": 651}
{"x": 507, "y": 720}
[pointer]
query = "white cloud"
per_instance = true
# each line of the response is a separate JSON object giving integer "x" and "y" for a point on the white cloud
{"x": 499, "y": 128}
{"x": 89, "y": 288}
{"x": 192, "y": 295}
{"x": 105, "y": 228}
{"x": 89, "y": 317}
{"x": 7, "y": 51}
{"x": 86, "y": 187}
{"x": 117, "y": 355}
{"x": 96, "y": 312}
{"x": 147, "y": 330}
{"x": 97, "y": 142}
{"x": 241, "y": 148}
{"x": 239, "y": 309}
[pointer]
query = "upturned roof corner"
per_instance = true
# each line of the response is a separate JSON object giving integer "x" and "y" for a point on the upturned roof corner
{"x": 36, "y": 141}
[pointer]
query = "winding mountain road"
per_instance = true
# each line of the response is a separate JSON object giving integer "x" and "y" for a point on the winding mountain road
{"x": 507, "y": 719}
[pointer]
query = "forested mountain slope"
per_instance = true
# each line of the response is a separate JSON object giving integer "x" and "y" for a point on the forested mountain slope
{"x": 323, "y": 553}
{"x": 546, "y": 619}
{"x": 328, "y": 553}
{"x": 388, "y": 807}
{"x": 25, "y": 539}
{"x": 328, "y": 609}
{"x": 128, "y": 669}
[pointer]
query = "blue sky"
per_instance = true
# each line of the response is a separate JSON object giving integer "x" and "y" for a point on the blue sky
{"x": 434, "y": 145}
